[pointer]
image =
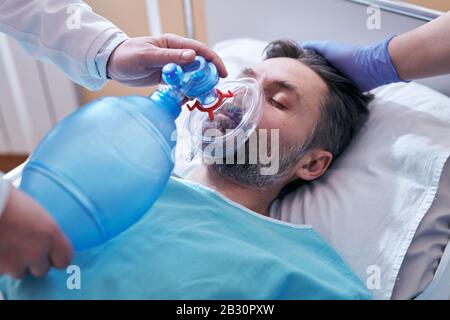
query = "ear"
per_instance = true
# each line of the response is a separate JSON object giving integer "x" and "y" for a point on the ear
{"x": 314, "y": 164}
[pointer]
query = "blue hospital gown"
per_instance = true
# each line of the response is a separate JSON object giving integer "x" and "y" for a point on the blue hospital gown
{"x": 196, "y": 244}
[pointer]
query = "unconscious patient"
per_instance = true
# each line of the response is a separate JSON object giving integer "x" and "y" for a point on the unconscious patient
{"x": 209, "y": 236}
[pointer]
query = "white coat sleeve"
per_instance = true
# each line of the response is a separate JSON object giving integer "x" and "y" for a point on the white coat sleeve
{"x": 66, "y": 33}
{"x": 4, "y": 193}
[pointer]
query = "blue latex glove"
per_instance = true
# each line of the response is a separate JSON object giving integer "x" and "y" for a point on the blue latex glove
{"x": 369, "y": 67}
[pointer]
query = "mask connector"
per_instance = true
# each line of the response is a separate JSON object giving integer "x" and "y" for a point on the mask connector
{"x": 210, "y": 109}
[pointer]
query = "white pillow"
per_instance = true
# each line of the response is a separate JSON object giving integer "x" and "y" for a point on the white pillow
{"x": 370, "y": 203}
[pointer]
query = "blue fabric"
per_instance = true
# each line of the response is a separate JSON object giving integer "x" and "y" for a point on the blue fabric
{"x": 195, "y": 244}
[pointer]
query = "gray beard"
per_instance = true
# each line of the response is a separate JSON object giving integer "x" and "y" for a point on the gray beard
{"x": 247, "y": 174}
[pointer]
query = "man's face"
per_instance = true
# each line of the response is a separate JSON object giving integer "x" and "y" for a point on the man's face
{"x": 293, "y": 94}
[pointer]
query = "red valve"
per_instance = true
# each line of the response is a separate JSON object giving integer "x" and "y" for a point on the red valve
{"x": 221, "y": 97}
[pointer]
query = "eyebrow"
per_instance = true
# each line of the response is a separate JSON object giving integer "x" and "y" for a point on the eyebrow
{"x": 280, "y": 84}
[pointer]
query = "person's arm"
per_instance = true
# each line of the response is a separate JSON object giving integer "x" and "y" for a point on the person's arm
{"x": 30, "y": 240}
{"x": 49, "y": 31}
{"x": 423, "y": 52}
{"x": 80, "y": 42}
{"x": 138, "y": 61}
{"x": 4, "y": 193}
{"x": 420, "y": 53}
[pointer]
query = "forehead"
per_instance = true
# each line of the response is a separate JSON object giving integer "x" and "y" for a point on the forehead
{"x": 310, "y": 85}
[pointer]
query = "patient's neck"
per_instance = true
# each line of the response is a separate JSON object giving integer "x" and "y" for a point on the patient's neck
{"x": 252, "y": 198}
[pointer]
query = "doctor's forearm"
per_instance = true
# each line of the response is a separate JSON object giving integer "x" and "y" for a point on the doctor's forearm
{"x": 66, "y": 33}
{"x": 423, "y": 52}
{"x": 4, "y": 193}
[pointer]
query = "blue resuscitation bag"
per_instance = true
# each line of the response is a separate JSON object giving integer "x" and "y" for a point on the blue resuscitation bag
{"x": 101, "y": 169}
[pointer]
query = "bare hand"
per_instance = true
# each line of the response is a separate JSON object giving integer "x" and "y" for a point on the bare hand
{"x": 138, "y": 61}
{"x": 30, "y": 240}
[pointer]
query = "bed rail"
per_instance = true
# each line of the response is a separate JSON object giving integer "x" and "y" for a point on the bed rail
{"x": 402, "y": 8}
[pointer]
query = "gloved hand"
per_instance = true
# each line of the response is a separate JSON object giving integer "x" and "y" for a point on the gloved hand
{"x": 368, "y": 66}
{"x": 138, "y": 61}
{"x": 30, "y": 240}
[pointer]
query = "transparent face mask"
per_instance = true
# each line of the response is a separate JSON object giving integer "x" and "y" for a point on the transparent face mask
{"x": 221, "y": 133}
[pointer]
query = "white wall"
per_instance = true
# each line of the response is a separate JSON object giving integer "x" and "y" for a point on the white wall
{"x": 304, "y": 20}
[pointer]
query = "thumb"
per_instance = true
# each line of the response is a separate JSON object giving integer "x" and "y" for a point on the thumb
{"x": 161, "y": 57}
{"x": 61, "y": 251}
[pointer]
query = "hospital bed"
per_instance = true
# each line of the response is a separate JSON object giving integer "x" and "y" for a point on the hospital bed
{"x": 339, "y": 20}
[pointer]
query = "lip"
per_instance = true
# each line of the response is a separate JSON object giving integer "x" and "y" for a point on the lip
{"x": 227, "y": 118}
{"x": 232, "y": 116}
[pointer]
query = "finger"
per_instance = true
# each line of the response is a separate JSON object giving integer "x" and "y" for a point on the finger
{"x": 3, "y": 266}
{"x": 162, "y": 56}
{"x": 61, "y": 251}
{"x": 177, "y": 42}
{"x": 18, "y": 272}
{"x": 152, "y": 80}
{"x": 40, "y": 268}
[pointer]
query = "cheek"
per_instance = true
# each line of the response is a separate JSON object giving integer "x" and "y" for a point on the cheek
{"x": 272, "y": 119}
{"x": 291, "y": 131}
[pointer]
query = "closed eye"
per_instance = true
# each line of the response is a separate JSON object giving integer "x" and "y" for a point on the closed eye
{"x": 276, "y": 104}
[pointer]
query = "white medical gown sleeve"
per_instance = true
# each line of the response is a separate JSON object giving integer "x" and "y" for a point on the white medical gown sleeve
{"x": 66, "y": 33}
{"x": 4, "y": 193}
